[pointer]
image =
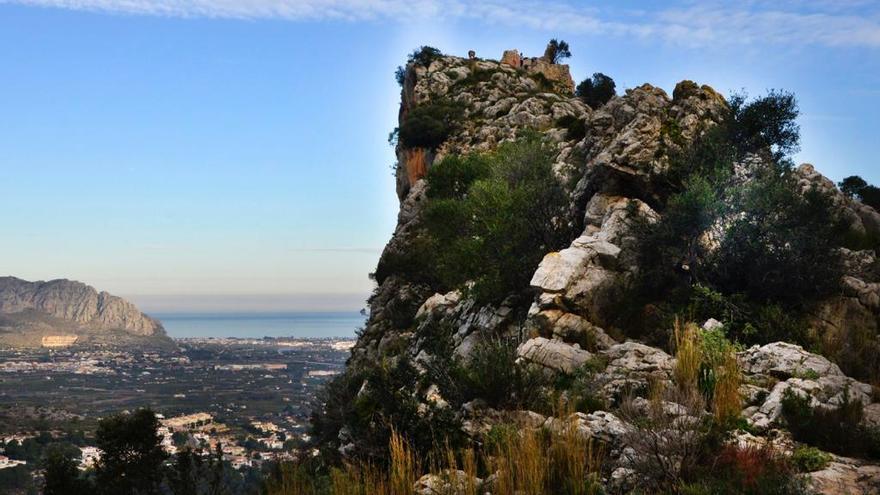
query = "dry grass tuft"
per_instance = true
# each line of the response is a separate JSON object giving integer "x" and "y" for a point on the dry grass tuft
{"x": 726, "y": 400}
{"x": 688, "y": 356}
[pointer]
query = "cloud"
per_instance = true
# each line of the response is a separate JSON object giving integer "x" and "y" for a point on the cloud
{"x": 853, "y": 23}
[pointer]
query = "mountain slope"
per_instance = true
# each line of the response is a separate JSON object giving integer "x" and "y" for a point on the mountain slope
{"x": 30, "y": 311}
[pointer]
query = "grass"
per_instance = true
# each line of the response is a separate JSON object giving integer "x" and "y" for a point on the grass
{"x": 523, "y": 462}
{"x": 688, "y": 355}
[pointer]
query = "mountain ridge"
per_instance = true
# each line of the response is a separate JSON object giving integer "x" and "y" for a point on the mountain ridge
{"x": 33, "y": 310}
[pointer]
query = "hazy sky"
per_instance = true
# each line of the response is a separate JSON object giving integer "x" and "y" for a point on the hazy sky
{"x": 183, "y": 153}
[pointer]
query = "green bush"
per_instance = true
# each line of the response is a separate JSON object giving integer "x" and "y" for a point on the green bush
{"x": 777, "y": 255}
{"x": 782, "y": 247}
{"x": 809, "y": 459}
{"x": 596, "y": 91}
{"x": 490, "y": 372}
{"x": 495, "y": 216}
{"x": 429, "y": 125}
{"x": 837, "y": 430}
{"x": 423, "y": 56}
{"x": 576, "y": 129}
{"x": 375, "y": 400}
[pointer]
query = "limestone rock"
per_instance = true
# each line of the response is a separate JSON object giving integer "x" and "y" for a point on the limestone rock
{"x": 631, "y": 366}
{"x": 446, "y": 482}
{"x": 805, "y": 374}
{"x": 553, "y": 354}
{"x": 845, "y": 476}
{"x": 784, "y": 360}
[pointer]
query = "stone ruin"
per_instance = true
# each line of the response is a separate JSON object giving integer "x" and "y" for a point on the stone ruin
{"x": 557, "y": 73}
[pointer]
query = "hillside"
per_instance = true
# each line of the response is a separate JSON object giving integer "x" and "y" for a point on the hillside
{"x": 653, "y": 272}
{"x": 59, "y": 313}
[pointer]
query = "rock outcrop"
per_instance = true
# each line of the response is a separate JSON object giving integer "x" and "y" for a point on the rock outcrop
{"x": 33, "y": 310}
{"x": 612, "y": 171}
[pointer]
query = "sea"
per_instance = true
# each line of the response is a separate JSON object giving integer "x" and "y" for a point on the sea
{"x": 258, "y": 325}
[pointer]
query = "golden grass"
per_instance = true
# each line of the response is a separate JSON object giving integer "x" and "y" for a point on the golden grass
{"x": 405, "y": 468}
{"x": 688, "y": 356}
{"x": 525, "y": 461}
{"x": 726, "y": 401}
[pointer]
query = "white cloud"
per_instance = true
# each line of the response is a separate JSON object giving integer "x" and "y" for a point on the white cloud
{"x": 792, "y": 22}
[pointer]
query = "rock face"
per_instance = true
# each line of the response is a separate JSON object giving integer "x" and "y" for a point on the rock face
{"x": 564, "y": 324}
{"x": 80, "y": 307}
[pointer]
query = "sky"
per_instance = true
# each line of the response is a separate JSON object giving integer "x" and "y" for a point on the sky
{"x": 232, "y": 155}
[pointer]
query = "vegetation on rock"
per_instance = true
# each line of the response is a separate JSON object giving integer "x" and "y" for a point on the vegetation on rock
{"x": 556, "y": 51}
{"x": 596, "y": 91}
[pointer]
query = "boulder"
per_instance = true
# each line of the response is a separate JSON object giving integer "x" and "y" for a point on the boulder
{"x": 446, "y": 482}
{"x": 783, "y": 360}
{"x": 631, "y": 366}
{"x": 845, "y": 476}
{"x": 553, "y": 354}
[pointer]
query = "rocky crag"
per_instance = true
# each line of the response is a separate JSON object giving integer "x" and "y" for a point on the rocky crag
{"x": 64, "y": 312}
{"x": 626, "y": 146}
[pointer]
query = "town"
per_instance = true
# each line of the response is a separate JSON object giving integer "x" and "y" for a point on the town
{"x": 251, "y": 398}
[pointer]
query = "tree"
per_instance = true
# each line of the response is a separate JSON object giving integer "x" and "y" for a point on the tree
{"x": 870, "y": 195}
{"x": 184, "y": 476}
{"x": 216, "y": 485}
{"x": 597, "y": 91}
{"x": 132, "y": 457}
{"x": 556, "y": 51}
{"x": 62, "y": 476}
{"x": 852, "y": 186}
{"x": 766, "y": 123}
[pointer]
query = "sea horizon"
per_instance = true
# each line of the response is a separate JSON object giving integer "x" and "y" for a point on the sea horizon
{"x": 258, "y": 324}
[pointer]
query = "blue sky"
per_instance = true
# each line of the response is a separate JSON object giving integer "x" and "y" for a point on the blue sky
{"x": 184, "y": 153}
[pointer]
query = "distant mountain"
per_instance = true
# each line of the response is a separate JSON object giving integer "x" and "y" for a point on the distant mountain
{"x": 64, "y": 312}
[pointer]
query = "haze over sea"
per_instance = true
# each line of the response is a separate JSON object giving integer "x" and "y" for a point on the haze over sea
{"x": 262, "y": 324}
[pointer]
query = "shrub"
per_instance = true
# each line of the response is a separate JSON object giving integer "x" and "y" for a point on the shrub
{"x": 556, "y": 51}
{"x": 496, "y": 232}
{"x": 372, "y": 403}
{"x": 766, "y": 123}
{"x": 808, "y": 459}
{"x": 757, "y": 254}
{"x": 490, "y": 373}
{"x": 783, "y": 246}
{"x": 837, "y": 430}
{"x": 666, "y": 449}
{"x": 429, "y": 125}
{"x": 576, "y": 129}
{"x": 856, "y": 187}
{"x": 423, "y": 56}
{"x": 870, "y": 195}
{"x": 597, "y": 91}
{"x": 753, "y": 470}
{"x": 852, "y": 185}
{"x": 400, "y": 75}
{"x": 453, "y": 177}
{"x": 706, "y": 363}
